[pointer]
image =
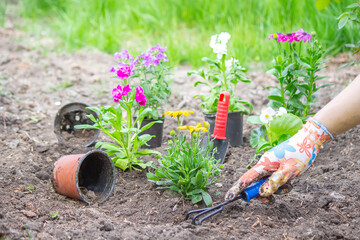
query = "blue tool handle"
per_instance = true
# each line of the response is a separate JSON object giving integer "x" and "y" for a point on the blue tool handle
{"x": 252, "y": 191}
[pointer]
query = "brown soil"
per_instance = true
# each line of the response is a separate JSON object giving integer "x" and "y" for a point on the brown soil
{"x": 324, "y": 203}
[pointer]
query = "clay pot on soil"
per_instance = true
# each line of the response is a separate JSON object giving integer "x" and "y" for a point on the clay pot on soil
{"x": 89, "y": 177}
{"x": 234, "y": 127}
{"x": 156, "y": 129}
{"x": 74, "y": 114}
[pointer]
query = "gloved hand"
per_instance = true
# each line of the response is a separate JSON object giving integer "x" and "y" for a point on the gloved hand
{"x": 283, "y": 162}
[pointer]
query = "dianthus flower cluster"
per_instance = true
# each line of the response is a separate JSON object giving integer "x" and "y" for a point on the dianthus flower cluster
{"x": 298, "y": 36}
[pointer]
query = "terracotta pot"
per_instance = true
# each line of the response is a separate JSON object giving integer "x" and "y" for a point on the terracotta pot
{"x": 89, "y": 177}
{"x": 67, "y": 117}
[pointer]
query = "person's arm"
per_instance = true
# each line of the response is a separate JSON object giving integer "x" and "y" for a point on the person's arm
{"x": 343, "y": 112}
{"x": 292, "y": 157}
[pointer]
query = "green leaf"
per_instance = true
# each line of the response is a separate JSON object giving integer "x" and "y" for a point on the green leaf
{"x": 354, "y": 5}
{"x": 207, "y": 198}
{"x": 196, "y": 198}
{"x": 147, "y": 152}
{"x": 322, "y": 4}
{"x": 152, "y": 177}
{"x": 123, "y": 164}
{"x": 108, "y": 146}
{"x": 343, "y": 21}
{"x": 254, "y": 120}
{"x": 276, "y": 98}
{"x": 193, "y": 192}
{"x": 257, "y": 135}
{"x": 160, "y": 172}
{"x": 86, "y": 126}
{"x": 284, "y": 124}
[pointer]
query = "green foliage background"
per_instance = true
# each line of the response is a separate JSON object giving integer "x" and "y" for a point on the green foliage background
{"x": 185, "y": 26}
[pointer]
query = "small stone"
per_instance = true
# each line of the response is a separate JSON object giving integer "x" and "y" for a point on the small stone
{"x": 42, "y": 175}
{"x": 106, "y": 226}
{"x": 58, "y": 103}
{"x": 14, "y": 143}
{"x": 43, "y": 149}
{"x": 337, "y": 195}
{"x": 219, "y": 185}
{"x": 29, "y": 214}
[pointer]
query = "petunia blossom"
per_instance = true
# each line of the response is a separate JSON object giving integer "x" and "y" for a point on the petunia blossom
{"x": 119, "y": 92}
{"x": 267, "y": 115}
{"x": 140, "y": 96}
{"x": 302, "y": 35}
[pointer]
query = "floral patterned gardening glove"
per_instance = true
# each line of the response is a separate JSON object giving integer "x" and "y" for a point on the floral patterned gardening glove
{"x": 283, "y": 162}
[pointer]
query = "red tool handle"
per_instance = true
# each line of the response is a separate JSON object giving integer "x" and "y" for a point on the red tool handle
{"x": 221, "y": 116}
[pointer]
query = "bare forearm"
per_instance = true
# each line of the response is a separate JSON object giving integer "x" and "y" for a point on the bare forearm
{"x": 343, "y": 112}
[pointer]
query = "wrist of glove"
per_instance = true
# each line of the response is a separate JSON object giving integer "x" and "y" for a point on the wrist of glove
{"x": 285, "y": 161}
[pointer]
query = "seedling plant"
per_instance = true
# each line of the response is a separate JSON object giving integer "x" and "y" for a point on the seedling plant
{"x": 223, "y": 75}
{"x": 118, "y": 122}
{"x": 296, "y": 69}
{"x": 187, "y": 168}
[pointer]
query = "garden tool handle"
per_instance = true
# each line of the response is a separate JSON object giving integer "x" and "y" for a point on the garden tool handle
{"x": 252, "y": 191}
{"x": 221, "y": 116}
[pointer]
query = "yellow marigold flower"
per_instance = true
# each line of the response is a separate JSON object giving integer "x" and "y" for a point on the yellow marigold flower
{"x": 196, "y": 128}
{"x": 177, "y": 113}
{"x": 186, "y": 113}
{"x": 206, "y": 124}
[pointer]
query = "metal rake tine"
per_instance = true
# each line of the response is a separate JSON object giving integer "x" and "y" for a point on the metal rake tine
{"x": 209, "y": 215}
{"x": 206, "y": 210}
{"x": 193, "y": 211}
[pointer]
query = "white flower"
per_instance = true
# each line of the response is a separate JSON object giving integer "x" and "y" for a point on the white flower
{"x": 281, "y": 111}
{"x": 267, "y": 115}
{"x": 218, "y": 43}
{"x": 229, "y": 64}
{"x": 224, "y": 37}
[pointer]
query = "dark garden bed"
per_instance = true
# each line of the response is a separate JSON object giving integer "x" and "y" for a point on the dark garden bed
{"x": 324, "y": 203}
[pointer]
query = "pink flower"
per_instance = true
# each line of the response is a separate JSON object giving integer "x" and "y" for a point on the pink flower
{"x": 140, "y": 96}
{"x": 119, "y": 92}
{"x": 302, "y": 35}
{"x": 290, "y": 37}
{"x": 124, "y": 70}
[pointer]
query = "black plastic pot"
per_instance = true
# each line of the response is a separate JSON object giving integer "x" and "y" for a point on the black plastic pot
{"x": 67, "y": 117}
{"x": 156, "y": 129}
{"x": 234, "y": 127}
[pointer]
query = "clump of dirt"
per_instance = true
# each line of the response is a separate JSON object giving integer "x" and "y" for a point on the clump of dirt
{"x": 324, "y": 203}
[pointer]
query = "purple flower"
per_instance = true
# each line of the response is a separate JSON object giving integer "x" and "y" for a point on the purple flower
{"x": 158, "y": 48}
{"x": 140, "y": 96}
{"x": 124, "y": 70}
{"x": 112, "y": 69}
{"x": 124, "y": 55}
{"x": 147, "y": 59}
{"x": 119, "y": 92}
{"x": 302, "y": 35}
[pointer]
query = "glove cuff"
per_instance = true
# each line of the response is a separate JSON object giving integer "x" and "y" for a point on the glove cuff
{"x": 314, "y": 121}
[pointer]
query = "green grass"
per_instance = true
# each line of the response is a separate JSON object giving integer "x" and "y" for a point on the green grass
{"x": 185, "y": 26}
